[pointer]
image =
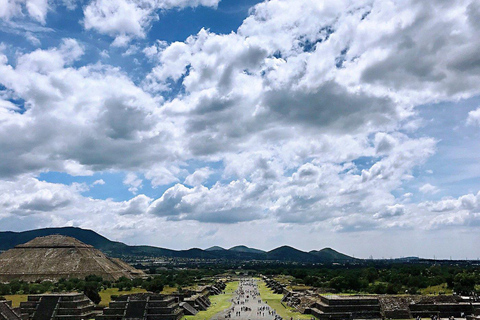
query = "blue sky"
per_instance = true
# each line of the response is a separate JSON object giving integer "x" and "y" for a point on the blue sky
{"x": 192, "y": 123}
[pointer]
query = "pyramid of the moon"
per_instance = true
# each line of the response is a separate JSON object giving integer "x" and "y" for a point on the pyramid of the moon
{"x": 54, "y": 257}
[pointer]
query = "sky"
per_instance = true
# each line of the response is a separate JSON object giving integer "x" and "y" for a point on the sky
{"x": 351, "y": 124}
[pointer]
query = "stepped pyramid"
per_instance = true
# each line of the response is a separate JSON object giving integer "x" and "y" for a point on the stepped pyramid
{"x": 54, "y": 257}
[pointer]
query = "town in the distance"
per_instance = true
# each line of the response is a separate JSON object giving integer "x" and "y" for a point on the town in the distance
{"x": 74, "y": 274}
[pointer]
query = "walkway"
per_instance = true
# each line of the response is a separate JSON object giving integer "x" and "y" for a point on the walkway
{"x": 247, "y": 304}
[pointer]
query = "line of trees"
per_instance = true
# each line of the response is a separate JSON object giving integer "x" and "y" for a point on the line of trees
{"x": 392, "y": 279}
{"x": 92, "y": 285}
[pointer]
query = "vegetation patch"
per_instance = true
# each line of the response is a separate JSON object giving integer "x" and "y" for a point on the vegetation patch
{"x": 438, "y": 289}
{"x": 16, "y": 299}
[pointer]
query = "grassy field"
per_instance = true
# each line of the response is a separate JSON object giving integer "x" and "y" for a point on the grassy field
{"x": 219, "y": 303}
{"x": 274, "y": 301}
{"x": 107, "y": 294}
{"x": 16, "y": 299}
{"x": 441, "y": 288}
{"x": 169, "y": 290}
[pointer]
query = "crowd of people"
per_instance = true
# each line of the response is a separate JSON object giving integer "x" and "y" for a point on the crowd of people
{"x": 247, "y": 295}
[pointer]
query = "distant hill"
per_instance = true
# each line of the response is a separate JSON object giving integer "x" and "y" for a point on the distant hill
{"x": 216, "y": 248}
{"x": 287, "y": 253}
{"x": 328, "y": 254}
{"x": 246, "y": 249}
{"x": 10, "y": 239}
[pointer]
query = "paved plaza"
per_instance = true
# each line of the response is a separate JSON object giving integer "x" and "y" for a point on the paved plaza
{"x": 247, "y": 304}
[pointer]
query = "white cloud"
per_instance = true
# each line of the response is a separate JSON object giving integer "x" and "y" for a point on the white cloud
{"x": 35, "y": 9}
{"x": 136, "y": 206}
{"x": 134, "y": 183}
{"x": 127, "y": 19}
{"x": 470, "y": 202}
{"x": 100, "y": 182}
{"x": 308, "y": 113}
{"x": 91, "y": 117}
{"x": 391, "y": 211}
{"x": 230, "y": 203}
{"x": 198, "y": 177}
{"x": 428, "y": 189}
{"x": 474, "y": 117}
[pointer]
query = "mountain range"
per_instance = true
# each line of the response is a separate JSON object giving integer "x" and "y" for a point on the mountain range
{"x": 9, "y": 239}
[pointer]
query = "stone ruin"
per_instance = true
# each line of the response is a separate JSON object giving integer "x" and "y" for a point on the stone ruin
{"x": 193, "y": 301}
{"x": 217, "y": 287}
{"x": 381, "y": 307}
{"x": 336, "y": 307}
{"x": 72, "y": 306}
{"x": 442, "y": 306}
{"x": 144, "y": 306}
{"x": 7, "y": 312}
{"x": 155, "y": 306}
{"x": 276, "y": 286}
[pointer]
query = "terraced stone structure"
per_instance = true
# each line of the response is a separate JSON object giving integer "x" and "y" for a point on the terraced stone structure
{"x": 276, "y": 286}
{"x": 339, "y": 307}
{"x": 7, "y": 312}
{"x": 217, "y": 287}
{"x": 54, "y": 257}
{"x": 442, "y": 309}
{"x": 188, "y": 309}
{"x": 198, "y": 299}
{"x": 143, "y": 306}
{"x": 384, "y": 306}
{"x": 73, "y": 306}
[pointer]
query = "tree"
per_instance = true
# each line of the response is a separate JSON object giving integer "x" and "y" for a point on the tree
{"x": 464, "y": 283}
{"x": 156, "y": 285}
{"x": 91, "y": 291}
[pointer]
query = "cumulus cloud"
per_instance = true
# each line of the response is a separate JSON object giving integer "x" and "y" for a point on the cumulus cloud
{"x": 91, "y": 118}
{"x": 136, "y": 206}
{"x": 474, "y": 117}
{"x": 308, "y": 112}
{"x": 198, "y": 177}
{"x": 235, "y": 202}
{"x": 133, "y": 182}
{"x": 35, "y": 9}
{"x": 469, "y": 202}
{"x": 391, "y": 211}
{"x": 127, "y": 19}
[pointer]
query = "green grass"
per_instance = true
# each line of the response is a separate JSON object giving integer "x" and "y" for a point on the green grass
{"x": 437, "y": 289}
{"x": 107, "y": 294}
{"x": 16, "y": 299}
{"x": 219, "y": 303}
{"x": 169, "y": 290}
{"x": 274, "y": 301}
